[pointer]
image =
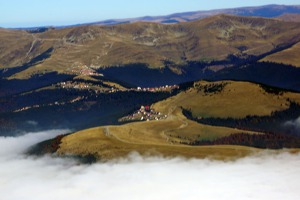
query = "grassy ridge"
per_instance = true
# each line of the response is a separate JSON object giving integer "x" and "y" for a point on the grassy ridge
{"x": 289, "y": 56}
{"x": 105, "y": 147}
{"x": 236, "y": 100}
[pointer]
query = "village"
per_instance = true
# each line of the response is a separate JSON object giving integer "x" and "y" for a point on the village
{"x": 166, "y": 88}
{"x": 85, "y": 71}
{"x": 74, "y": 85}
{"x": 145, "y": 113}
{"x": 88, "y": 86}
{"x": 82, "y": 70}
{"x": 56, "y": 103}
{"x": 85, "y": 86}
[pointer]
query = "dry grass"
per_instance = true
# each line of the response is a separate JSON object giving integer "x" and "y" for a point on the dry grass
{"x": 236, "y": 100}
{"x": 105, "y": 147}
{"x": 289, "y": 56}
{"x": 175, "y": 129}
{"x": 115, "y": 85}
{"x": 289, "y": 17}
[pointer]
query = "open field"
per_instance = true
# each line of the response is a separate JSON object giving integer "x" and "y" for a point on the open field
{"x": 107, "y": 146}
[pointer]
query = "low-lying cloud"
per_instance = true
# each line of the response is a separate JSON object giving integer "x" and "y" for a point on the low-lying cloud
{"x": 32, "y": 122}
{"x": 294, "y": 125}
{"x": 265, "y": 176}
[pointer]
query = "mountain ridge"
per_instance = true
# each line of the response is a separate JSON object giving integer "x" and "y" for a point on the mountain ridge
{"x": 142, "y": 84}
{"x": 210, "y": 39}
{"x": 259, "y": 11}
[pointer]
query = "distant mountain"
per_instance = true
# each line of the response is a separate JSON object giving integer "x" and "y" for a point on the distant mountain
{"x": 269, "y": 11}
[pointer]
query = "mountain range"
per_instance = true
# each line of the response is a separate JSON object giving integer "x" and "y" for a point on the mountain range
{"x": 268, "y": 11}
{"x": 217, "y": 38}
{"x": 99, "y": 74}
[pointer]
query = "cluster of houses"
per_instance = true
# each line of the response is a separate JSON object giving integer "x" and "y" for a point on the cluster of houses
{"x": 166, "y": 88}
{"x": 145, "y": 113}
{"x": 83, "y": 70}
{"x": 83, "y": 86}
{"x": 86, "y": 86}
{"x": 74, "y": 85}
{"x": 87, "y": 71}
{"x": 27, "y": 108}
{"x": 50, "y": 104}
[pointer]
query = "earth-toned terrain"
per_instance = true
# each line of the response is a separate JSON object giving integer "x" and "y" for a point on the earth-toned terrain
{"x": 219, "y": 85}
{"x": 180, "y": 135}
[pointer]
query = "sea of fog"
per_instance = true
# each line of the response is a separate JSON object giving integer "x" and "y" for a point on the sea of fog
{"x": 264, "y": 176}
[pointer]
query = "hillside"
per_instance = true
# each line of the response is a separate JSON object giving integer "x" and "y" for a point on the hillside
{"x": 290, "y": 17}
{"x": 216, "y": 38}
{"x": 97, "y": 144}
{"x": 288, "y": 56}
{"x": 228, "y": 99}
{"x": 172, "y": 135}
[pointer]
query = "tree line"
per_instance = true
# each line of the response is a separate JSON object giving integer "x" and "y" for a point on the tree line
{"x": 274, "y": 123}
{"x": 264, "y": 141}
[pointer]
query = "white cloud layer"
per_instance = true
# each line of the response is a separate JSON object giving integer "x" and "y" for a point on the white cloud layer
{"x": 258, "y": 177}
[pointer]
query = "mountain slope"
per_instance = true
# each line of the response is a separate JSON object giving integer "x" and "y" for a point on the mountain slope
{"x": 288, "y": 56}
{"x": 215, "y": 38}
{"x": 231, "y": 99}
{"x": 290, "y": 17}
